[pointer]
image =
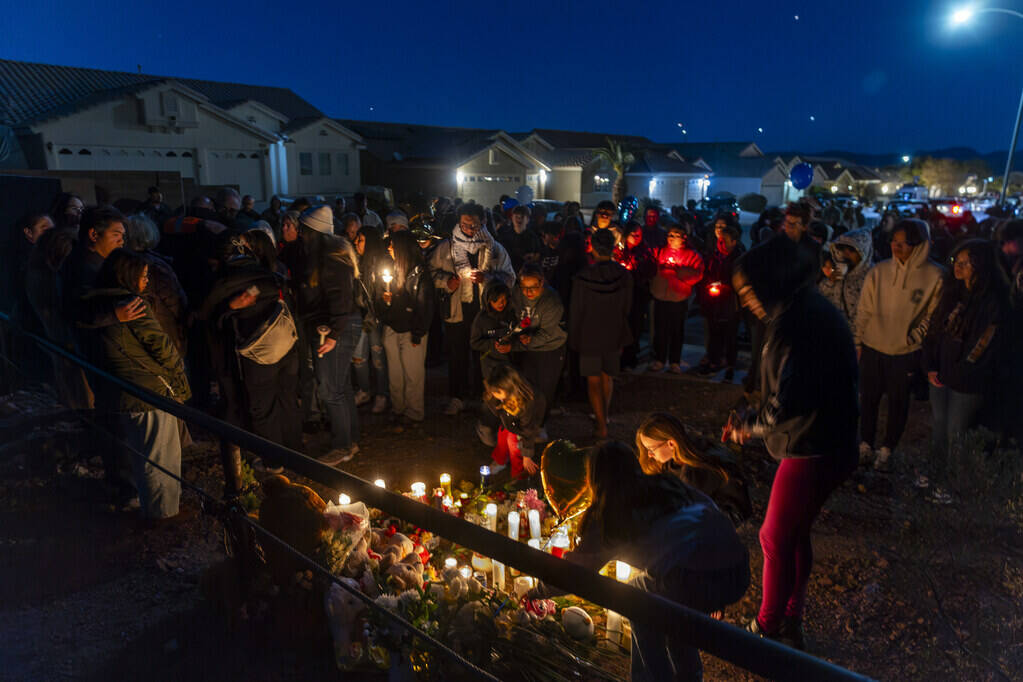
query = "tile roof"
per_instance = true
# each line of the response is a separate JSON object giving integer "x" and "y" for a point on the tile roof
{"x": 655, "y": 161}
{"x": 31, "y": 92}
{"x": 412, "y": 143}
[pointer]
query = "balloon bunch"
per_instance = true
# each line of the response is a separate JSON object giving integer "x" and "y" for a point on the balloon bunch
{"x": 626, "y": 209}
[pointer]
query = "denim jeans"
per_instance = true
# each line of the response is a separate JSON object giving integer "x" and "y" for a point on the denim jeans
{"x": 370, "y": 355}
{"x": 953, "y": 413}
{"x": 334, "y": 385}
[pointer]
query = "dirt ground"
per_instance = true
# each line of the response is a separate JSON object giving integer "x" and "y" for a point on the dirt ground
{"x": 87, "y": 593}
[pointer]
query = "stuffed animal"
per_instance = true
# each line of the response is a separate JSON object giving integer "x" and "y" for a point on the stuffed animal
{"x": 577, "y": 623}
{"x": 406, "y": 575}
{"x": 343, "y": 609}
{"x": 293, "y": 513}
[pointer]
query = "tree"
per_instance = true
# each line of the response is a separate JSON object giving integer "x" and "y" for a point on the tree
{"x": 753, "y": 203}
{"x": 618, "y": 156}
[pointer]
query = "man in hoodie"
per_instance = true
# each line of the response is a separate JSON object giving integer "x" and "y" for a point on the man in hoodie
{"x": 851, "y": 254}
{"x": 895, "y": 305}
{"x": 599, "y": 323}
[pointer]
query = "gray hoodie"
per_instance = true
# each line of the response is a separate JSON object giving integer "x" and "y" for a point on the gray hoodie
{"x": 845, "y": 292}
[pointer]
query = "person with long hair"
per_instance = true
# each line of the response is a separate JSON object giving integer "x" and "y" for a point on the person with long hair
{"x": 520, "y": 408}
{"x": 807, "y": 418}
{"x": 370, "y": 359}
{"x": 666, "y": 447}
{"x": 679, "y": 545}
{"x": 963, "y": 351}
{"x": 406, "y": 309}
{"x": 66, "y": 210}
{"x": 140, "y": 352}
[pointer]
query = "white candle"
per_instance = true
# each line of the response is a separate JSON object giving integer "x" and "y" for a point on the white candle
{"x": 498, "y": 575}
{"x": 450, "y": 562}
{"x": 380, "y": 483}
{"x": 523, "y": 584}
{"x": 534, "y": 543}
{"x": 466, "y": 571}
{"x": 445, "y": 482}
{"x": 622, "y": 571}
{"x": 513, "y": 525}
{"x": 534, "y": 524}
{"x": 614, "y": 627}
{"x": 492, "y": 517}
{"x": 481, "y": 563}
{"x": 419, "y": 490}
{"x": 343, "y": 499}
{"x": 387, "y": 277}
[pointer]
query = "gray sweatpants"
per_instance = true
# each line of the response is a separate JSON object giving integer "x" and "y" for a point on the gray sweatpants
{"x": 155, "y": 434}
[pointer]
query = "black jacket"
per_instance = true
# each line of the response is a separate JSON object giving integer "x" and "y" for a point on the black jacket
{"x": 322, "y": 282}
{"x": 808, "y": 374}
{"x": 411, "y": 308}
{"x": 488, "y": 327}
{"x": 519, "y": 245}
{"x": 718, "y": 268}
{"x": 599, "y": 312}
{"x": 964, "y": 344}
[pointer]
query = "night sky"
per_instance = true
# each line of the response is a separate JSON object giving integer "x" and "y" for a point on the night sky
{"x": 876, "y": 76}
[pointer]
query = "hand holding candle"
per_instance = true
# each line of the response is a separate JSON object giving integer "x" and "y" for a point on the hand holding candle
{"x": 325, "y": 347}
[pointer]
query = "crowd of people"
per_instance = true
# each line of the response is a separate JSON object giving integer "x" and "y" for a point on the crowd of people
{"x": 293, "y": 319}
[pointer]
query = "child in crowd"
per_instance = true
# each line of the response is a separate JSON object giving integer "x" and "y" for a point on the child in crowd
{"x": 520, "y": 410}
{"x": 493, "y": 334}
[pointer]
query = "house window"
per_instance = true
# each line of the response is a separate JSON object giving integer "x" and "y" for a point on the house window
{"x": 324, "y": 163}
{"x": 493, "y": 157}
{"x": 342, "y": 163}
{"x": 601, "y": 183}
{"x": 305, "y": 163}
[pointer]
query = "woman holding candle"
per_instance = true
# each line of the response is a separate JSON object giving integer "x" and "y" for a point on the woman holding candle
{"x": 406, "y": 308}
{"x": 685, "y": 549}
{"x": 665, "y": 447}
{"x": 511, "y": 398}
{"x": 679, "y": 268}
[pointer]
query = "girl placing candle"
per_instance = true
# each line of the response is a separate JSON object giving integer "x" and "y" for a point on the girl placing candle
{"x": 683, "y": 547}
{"x": 510, "y": 397}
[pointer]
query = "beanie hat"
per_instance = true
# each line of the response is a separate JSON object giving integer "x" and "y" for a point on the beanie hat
{"x": 397, "y": 218}
{"x": 320, "y": 219}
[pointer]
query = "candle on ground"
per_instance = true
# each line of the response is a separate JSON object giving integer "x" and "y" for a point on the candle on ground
{"x": 492, "y": 517}
{"x": 534, "y": 524}
{"x": 445, "y": 482}
{"x": 513, "y": 525}
{"x": 380, "y": 483}
{"x": 343, "y": 499}
{"x": 419, "y": 490}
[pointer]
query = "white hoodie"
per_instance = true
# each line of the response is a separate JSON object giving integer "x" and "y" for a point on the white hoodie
{"x": 897, "y": 302}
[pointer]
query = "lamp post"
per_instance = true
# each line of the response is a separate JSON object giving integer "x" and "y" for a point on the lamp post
{"x": 962, "y": 16}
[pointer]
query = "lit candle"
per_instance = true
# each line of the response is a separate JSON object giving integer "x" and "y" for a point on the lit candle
{"x": 484, "y": 476}
{"x": 534, "y": 524}
{"x": 491, "y": 512}
{"x": 522, "y": 584}
{"x": 387, "y": 277}
{"x": 450, "y": 562}
{"x": 465, "y": 571}
{"x": 559, "y": 544}
{"x": 445, "y": 482}
{"x": 513, "y": 525}
{"x": 322, "y": 330}
{"x": 447, "y": 502}
{"x": 419, "y": 490}
{"x": 380, "y": 483}
{"x": 343, "y": 499}
{"x": 622, "y": 571}
{"x": 498, "y": 575}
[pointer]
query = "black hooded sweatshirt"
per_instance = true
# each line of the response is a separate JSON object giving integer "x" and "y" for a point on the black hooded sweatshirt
{"x": 599, "y": 312}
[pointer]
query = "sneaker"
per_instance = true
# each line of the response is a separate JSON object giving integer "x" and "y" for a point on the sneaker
{"x": 486, "y": 434}
{"x": 866, "y": 453}
{"x": 454, "y": 407}
{"x": 497, "y": 468}
{"x": 656, "y": 366}
{"x": 361, "y": 398}
{"x": 882, "y": 462}
{"x": 259, "y": 465}
{"x": 380, "y": 404}
{"x": 675, "y": 368}
{"x": 337, "y": 455}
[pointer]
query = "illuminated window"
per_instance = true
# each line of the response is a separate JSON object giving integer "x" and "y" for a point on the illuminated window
{"x": 601, "y": 183}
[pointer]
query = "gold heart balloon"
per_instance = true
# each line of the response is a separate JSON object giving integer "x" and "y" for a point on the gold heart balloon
{"x": 563, "y": 474}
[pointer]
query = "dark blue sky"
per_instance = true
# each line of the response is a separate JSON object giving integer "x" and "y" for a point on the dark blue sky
{"x": 877, "y": 76}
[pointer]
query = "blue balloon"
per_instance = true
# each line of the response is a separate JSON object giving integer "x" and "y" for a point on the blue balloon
{"x": 801, "y": 175}
{"x": 509, "y": 204}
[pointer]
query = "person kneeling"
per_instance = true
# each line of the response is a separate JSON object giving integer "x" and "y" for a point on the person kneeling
{"x": 512, "y": 400}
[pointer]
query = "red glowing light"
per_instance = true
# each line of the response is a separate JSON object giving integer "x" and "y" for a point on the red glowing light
{"x": 714, "y": 289}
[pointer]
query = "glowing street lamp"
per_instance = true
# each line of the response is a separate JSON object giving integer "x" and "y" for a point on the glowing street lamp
{"x": 960, "y": 17}
{"x": 905, "y": 158}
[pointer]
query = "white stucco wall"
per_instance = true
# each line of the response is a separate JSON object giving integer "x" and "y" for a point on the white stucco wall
{"x": 505, "y": 174}
{"x": 343, "y": 153}
{"x": 564, "y": 184}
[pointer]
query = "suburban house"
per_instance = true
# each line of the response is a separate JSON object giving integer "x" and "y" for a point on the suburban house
{"x": 739, "y": 167}
{"x": 264, "y": 140}
{"x": 419, "y": 162}
{"x": 578, "y": 174}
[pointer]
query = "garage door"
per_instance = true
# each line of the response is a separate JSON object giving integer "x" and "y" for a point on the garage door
{"x": 244, "y": 169}
{"x": 487, "y": 190}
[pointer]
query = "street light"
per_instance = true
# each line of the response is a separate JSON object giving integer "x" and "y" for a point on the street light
{"x": 960, "y": 17}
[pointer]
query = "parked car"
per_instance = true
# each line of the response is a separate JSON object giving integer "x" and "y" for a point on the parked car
{"x": 718, "y": 203}
{"x": 907, "y": 208}
{"x": 954, "y": 210}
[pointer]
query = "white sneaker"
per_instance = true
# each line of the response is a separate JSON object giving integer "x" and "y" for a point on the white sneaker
{"x": 656, "y": 366}
{"x": 866, "y": 453}
{"x": 380, "y": 404}
{"x": 882, "y": 461}
{"x": 454, "y": 407}
{"x": 361, "y": 398}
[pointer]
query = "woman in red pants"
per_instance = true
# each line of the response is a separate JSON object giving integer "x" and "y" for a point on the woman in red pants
{"x": 807, "y": 419}
{"x": 511, "y": 398}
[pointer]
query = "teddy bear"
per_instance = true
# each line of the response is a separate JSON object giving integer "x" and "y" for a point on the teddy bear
{"x": 406, "y": 575}
{"x": 343, "y": 609}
